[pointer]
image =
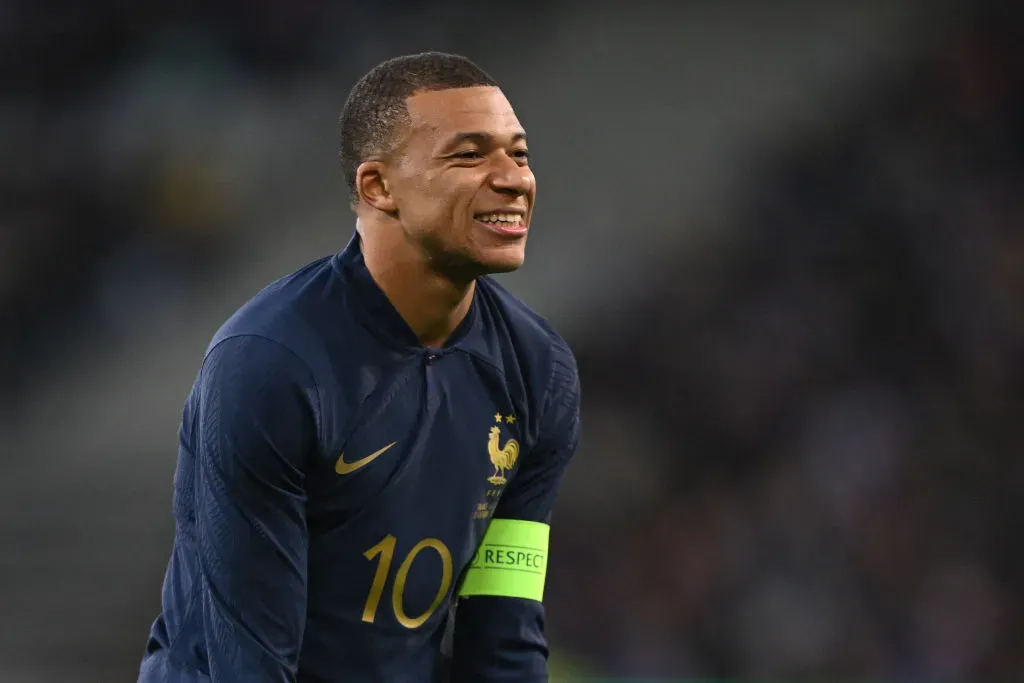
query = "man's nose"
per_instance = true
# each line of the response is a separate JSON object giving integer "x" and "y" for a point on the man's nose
{"x": 513, "y": 178}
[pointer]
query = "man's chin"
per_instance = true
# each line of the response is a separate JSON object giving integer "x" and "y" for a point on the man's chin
{"x": 502, "y": 260}
{"x": 468, "y": 264}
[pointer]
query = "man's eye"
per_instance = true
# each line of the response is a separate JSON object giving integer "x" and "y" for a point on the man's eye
{"x": 468, "y": 155}
{"x": 521, "y": 154}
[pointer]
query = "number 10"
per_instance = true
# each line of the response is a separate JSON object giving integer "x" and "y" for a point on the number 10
{"x": 386, "y": 549}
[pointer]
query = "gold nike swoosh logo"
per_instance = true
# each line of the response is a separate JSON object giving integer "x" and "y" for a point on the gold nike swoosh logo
{"x": 343, "y": 467}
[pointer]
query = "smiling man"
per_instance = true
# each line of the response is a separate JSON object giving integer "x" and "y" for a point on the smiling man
{"x": 372, "y": 448}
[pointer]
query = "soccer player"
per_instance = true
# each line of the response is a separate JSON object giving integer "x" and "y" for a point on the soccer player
{"x": 372, "y": 448}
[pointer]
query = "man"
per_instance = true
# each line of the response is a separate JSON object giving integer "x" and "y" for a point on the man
{"x": 373, "y": 445}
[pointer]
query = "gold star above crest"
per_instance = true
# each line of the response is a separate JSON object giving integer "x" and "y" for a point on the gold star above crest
{"x": 511, "y": 419}
{"x": 497, "y": 417}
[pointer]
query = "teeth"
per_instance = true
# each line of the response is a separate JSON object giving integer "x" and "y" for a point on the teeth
{"x": 501, "y": 218}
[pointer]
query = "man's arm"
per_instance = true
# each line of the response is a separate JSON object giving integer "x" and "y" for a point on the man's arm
{"x": 254, "y": 428}
{"x": 500, "y": 638}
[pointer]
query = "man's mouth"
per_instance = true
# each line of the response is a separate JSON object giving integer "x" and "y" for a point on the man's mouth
{"x": 503, "y": 222}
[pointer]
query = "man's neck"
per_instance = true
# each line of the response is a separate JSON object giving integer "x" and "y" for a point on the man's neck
{"x": 431, "y": 304}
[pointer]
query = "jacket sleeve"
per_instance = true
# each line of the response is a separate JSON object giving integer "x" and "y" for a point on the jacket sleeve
{"x": 502, "y": 638}
{"x": 255, "y": 426}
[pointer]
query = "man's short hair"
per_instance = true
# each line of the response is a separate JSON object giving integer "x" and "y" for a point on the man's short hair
{"x": 376, "y": 107}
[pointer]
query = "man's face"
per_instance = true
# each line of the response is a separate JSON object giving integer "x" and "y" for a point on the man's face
{"x": 461, "y": 180}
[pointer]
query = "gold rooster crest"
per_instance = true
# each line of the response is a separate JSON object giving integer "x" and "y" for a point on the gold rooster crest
{"x": 502, "y": 457}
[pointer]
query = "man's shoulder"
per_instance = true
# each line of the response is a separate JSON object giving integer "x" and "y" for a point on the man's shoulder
{"x": 286, "y": 311}
{"x": 526, "y": 327}
{"x": 545, "y": 363}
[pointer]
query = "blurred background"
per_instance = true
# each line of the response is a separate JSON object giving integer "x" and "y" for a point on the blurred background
{"x": 786, "y": 241}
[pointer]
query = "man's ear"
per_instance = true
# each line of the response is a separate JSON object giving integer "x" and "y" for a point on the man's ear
{"x": 374, "y": 188}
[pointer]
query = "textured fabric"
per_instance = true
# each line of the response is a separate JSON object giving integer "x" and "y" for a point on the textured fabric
{"x": 502, "y": 638}
{"x": 335, "y": 478}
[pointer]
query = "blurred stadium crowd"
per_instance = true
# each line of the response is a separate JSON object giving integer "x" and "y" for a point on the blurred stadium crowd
{"x": 822, "y": 473}
{"x": 140, "y": 138}
{"x": 815, "y": 450}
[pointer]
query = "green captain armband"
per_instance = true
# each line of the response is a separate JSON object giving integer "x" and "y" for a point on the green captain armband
{"x": 511, "y": 561}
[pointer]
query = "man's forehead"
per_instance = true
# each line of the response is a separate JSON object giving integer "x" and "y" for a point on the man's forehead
{"x": 453, "y": 110}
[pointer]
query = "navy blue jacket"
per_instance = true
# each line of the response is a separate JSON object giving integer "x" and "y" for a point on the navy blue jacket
{"x": 335, "y": 477}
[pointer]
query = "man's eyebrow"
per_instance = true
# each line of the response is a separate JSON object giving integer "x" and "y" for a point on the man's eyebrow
{"x": 482, "y": 138}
